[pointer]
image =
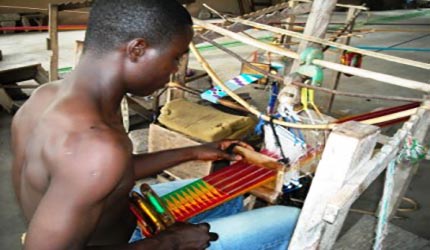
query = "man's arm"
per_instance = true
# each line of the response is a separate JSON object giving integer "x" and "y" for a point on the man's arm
{"x": 152, "y": 163}
{"x": 71, "y": 208}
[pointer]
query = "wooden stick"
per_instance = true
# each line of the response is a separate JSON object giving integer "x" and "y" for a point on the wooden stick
{"x": 333, "y": 44}
{"x": 394, "y": 116}
{"x": 279, "y": 11}
{"x": 369, "y": 96}
{"x": 280, "y": 79}
{"x": 334, "y": 66}
{"x": 394, "y": 80}
{"x": 360, "y": 7}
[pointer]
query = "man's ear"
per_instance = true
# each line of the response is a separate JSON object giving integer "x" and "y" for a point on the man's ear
{"x": 136, "y": 48}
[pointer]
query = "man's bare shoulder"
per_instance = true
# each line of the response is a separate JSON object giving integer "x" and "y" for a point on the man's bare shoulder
{"x": 96, "y": 158}
{"x": 92, "y": 146}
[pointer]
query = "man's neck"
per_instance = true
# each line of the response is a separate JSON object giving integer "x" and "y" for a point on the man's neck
{"x": 101, "y": 79}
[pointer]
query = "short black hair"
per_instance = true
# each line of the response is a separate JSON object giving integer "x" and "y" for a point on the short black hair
{"x": 114, "y": 22}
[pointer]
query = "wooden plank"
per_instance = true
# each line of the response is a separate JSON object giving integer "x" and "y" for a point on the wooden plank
{"x": 161, "y": 139}
{"x": 53, "y": 41}
{"x": 337, "y": 164}
{"x": 20, "y": 74}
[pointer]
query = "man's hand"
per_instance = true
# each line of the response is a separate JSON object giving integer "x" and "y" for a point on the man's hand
{"x": 185, "y": 236}
{"x": 217, "y": 151}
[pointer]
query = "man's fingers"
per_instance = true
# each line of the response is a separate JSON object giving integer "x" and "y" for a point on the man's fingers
{"x": 213, "y": 236}
{"x": 245, "y": 145}
{"x": 205, "y": 226}
{"x": 231, "y": 157}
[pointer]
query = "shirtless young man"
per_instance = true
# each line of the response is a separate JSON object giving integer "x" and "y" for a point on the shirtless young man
{"x": 73, "y": 166}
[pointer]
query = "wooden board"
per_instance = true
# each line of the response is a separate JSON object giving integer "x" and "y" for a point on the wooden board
{"x": 161, "y": 138}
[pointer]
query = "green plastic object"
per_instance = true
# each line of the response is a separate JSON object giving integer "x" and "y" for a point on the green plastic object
{"x": 309, "y": 54}
{"x": 310, "y": 70}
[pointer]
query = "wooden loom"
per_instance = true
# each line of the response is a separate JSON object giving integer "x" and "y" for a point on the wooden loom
{"x": 257, "y": 170}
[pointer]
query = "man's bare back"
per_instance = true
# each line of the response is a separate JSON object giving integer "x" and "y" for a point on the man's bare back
{"x": 53, "y": 123}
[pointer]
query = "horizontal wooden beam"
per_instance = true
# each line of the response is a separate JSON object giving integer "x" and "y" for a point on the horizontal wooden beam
{"x": 20, "y": 74}
{"x": 359, "y": 7}
{"x": 334, "y": 44}
{"x": 398, "y": 81}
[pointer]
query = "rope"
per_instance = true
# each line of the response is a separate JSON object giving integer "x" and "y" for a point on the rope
{"x": 412, "y": 152}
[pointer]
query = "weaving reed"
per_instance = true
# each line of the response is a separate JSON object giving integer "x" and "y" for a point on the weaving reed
{"x": 155, "y": 213}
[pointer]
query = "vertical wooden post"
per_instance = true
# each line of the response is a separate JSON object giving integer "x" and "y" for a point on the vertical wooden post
{"x": 241, "y": 7}
{"x": 179, "y": 77}
{"x": 316, "y": 25}
{"x": 53, "y": 41}
{"x": 5, "y": 101}
{"x": 290, "y": 20}
{"x": 350, "y": 15}
{"x": 348, "y": 146}
{"x": 405, "y": 171}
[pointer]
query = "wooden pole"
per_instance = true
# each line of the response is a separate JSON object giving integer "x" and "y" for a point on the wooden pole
{"x": 349, "y": 16}
{"x": 313, "y": 39}
{"x": 53, "y": 41}
{"x": 333, "y": 66}
{"x": 359, "y": 7}
{"x": 317, "y": 23}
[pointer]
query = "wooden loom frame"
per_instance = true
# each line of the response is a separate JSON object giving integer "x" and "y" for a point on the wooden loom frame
{"x": 336, "y": 186}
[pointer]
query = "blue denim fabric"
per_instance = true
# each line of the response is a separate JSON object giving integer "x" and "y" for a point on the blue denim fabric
{"x": 259, "y": 229}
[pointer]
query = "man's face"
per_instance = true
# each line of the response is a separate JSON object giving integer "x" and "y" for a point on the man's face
{"x": 151, "y": 70}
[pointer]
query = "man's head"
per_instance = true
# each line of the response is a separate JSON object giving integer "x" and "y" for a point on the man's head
{"x": 151, "y": 34}
{"x": 113, "y": 23}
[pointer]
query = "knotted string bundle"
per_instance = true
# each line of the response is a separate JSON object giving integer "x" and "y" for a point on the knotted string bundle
{"x": 412, "y": 152}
